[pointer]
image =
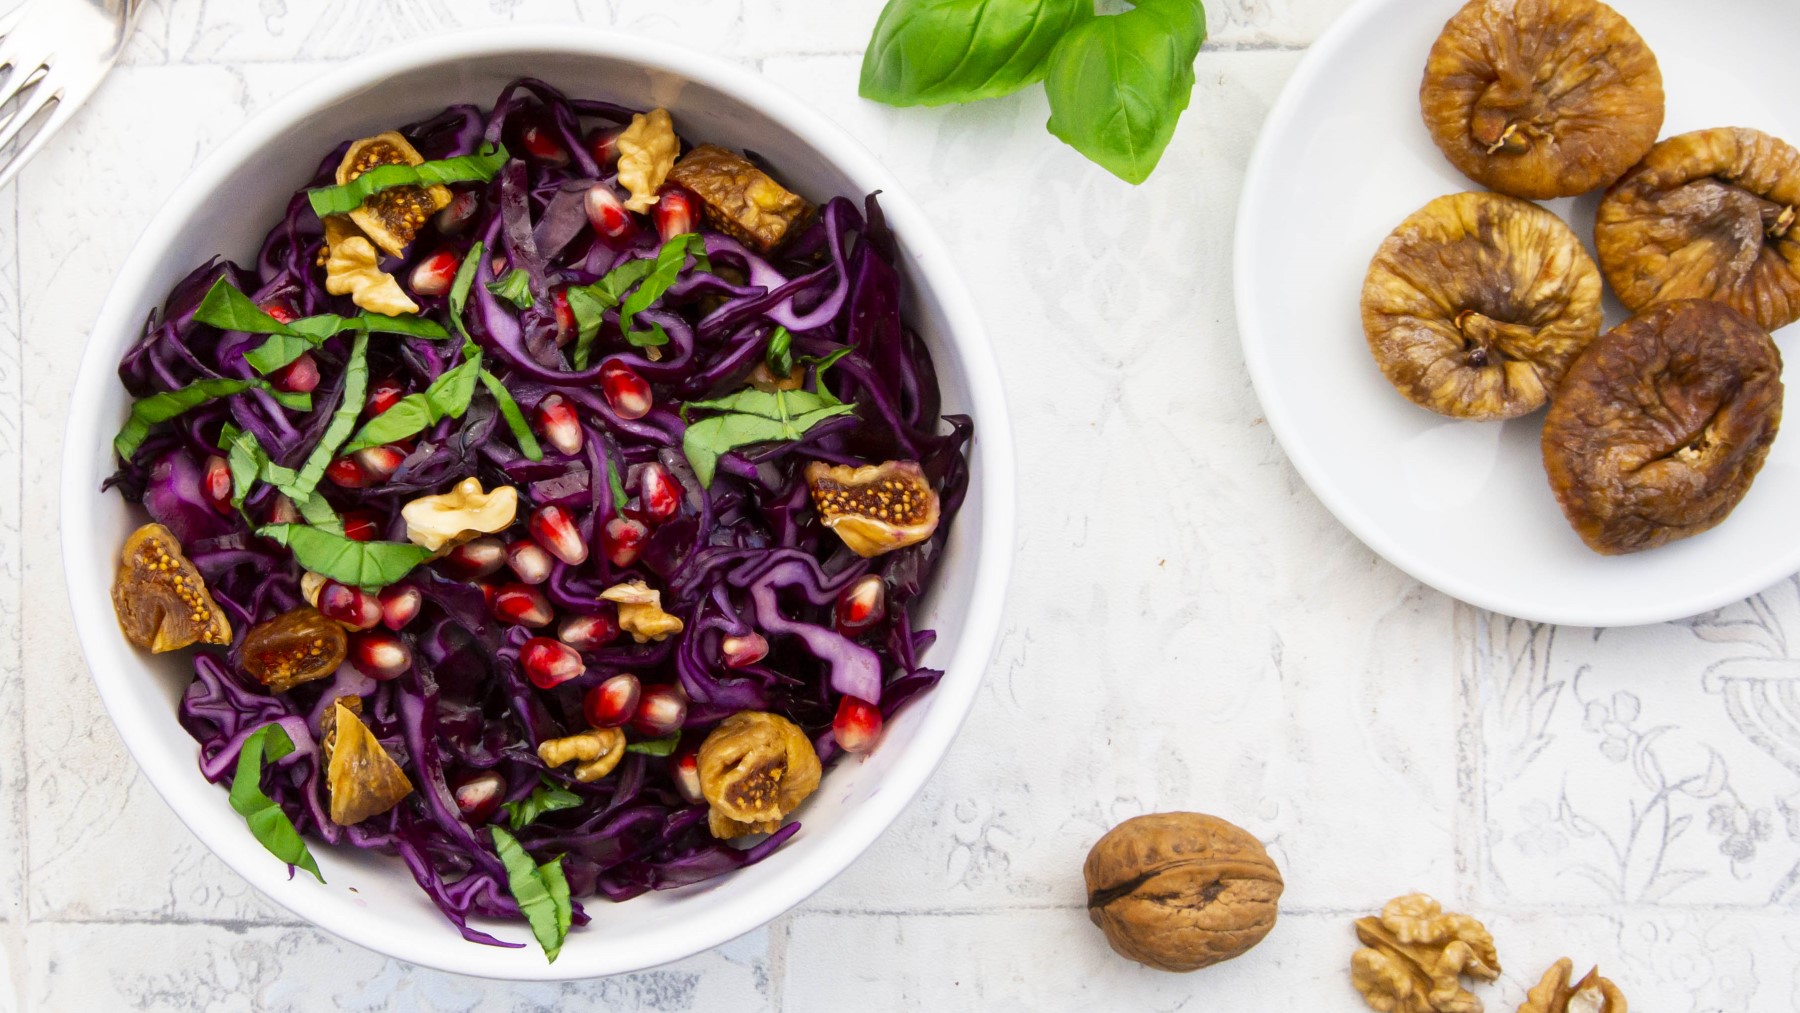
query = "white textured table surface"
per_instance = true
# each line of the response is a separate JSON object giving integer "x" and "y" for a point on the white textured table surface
{"x": 1188, "y": 628}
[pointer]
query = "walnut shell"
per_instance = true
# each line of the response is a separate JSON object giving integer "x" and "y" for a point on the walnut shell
{"x": 1707, "y": 215}
{"x": 1542, "y": 98}
{"x": 1661, "y": 426}
{"x": 1476, "y": 305}
{"x": 1181, "y": 891}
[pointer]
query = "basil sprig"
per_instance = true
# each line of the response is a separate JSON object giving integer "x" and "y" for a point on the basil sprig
{"x": 165, "y": 405}
{"x": 358, "y": 564}
{"x": 752, "y": 416}
{"x": 346, "y": 197}
{"x": 268, "y": 824}
{"x": 547, "y": 797}
{"x": 932, "y": 52}
{"x": 515, "y": 288}
{"x": 653, "y": 278}
{"x": 542, "y": 892}
{"x": 228, "y": 309}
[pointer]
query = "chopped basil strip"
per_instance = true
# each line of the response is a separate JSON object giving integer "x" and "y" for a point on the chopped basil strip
{"x": 589, "y": 303}
{"x": 515, "y": 288}
{"x": 268, "y": 824}
{"x": 542, "y": 892}
{"x": 343, "y": 421}
{"x": 250, "y": 463}
{"x": 548, "y": 797}
{"x": 447, "y": 397}
{"x": 669, "y": 262}
{"x": 231, "y": 310}
{"x": 655, "y": 747}
{"x": 780, "y": 355}
{"x": 618, "y": 485}
{"x": 752, "y": 416}
{"x": 147, "y": 412}
{"x": 647, "y": 339}
{"x": 819, "y": 365}
{"x": 359, "y": 564}
{"x": 515, "y": 419}
{"x": 346, "y": 197}
{"x": 459, "y": 290}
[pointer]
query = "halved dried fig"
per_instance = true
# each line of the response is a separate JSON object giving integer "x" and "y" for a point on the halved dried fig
{"x": 362, "y": 779}
{"x": 1660, "y": 427}
{"x": 391, "y": 217}
{"x": 161, "y": 600}
{"x": 1542, "y": 98}
{"x": 1475, "y": 306}
{"x": 295, "y": 647}
{"x": 755, "y": 770}
{"x": 874, "y": 508}
{"x": 1707, "y": 215}
{"x": 741, "y": 200}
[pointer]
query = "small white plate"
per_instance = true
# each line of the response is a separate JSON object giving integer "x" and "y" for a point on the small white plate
{"x": 1465, "y": 506}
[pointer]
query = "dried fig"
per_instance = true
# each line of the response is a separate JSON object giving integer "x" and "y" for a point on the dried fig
{"x": 755, "y": 770}
{"x": 160, "y": 599}
{"x": 1542, "y": 98}
{"x": 875, "y": 509}
{"x": 391, "y": 217}
{"x": 1181, "y": 891}
{"x": 295, "y": 647}
{"x": 741, "y": 200}
{"x": 1707, "y": 215}
{"x": 1475, "y": 306}
{"x": 1660, "y": 427}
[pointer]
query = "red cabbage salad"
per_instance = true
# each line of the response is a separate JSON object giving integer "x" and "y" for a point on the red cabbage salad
{"x": 543, "y": 506}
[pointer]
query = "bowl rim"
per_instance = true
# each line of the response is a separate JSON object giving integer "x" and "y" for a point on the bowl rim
{"x": 992, "y": 458}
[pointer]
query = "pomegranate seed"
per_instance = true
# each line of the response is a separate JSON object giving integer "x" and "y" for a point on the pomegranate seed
{"x": 543, "y": 143}
{"x": 607, "y": 214}
{"x": 554, "y": 529}
{"x": 521, "y": 605}
{"x": 475, "y": 559}
{"x": 434, "y": 274}
{"x": 300, "y": 376}
{"x": 399, "y": 605}
{"x": 384, "y": 394}
{"x": 549, "y": 664}
{"x": 660, "y": 711}
{"x": 626, "y": 391}
{"x": 658, "y": 494}
{"x": 379, "y": 654}
{"x": 584, "y": 633}
{"x": 857, "y": 725}
{"x": 861, "y": 605}
{"x": 622, "y": 539}
{"x": 740, "y": 652}
{"x": 352, "y": 606}
{"x": 215, "y": 483}
{"x": 604, "y": 145}
{"x": 281, "y": 312}
{"x": 674, "y": 212}
{"x": 487, "y": 592}
{"x": 380, "y": 463}
{"x": 346, "y": 472}
{"x": 556, "y": 417}
{"x": 478, "y": 796}
{"x": 283, "y": 511}
{"x": 565, "y": 317}
{"x": 362, "y": 525}
{"x": 457, "y": 214}
{"x": 684, "y": 770}
{"x": 613, "y": 702}
{"x": 529, "y": 561}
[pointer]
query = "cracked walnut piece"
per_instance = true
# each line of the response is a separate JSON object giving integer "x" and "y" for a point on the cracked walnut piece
{"x": 647, "y": 151}
{"x": 1415, "y": 954}
{"x": 1592, "y": 994}
{"x": 595, "y": 752}
{"x": 640, "y": 611}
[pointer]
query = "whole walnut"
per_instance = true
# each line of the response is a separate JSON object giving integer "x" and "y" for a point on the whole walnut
{"x": 1181, "y": 891}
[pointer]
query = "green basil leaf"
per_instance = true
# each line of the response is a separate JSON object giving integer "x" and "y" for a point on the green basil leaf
{"x": 346, "y": 197}
{"x": 371, "y": 565}
{"x": 515, "y": 288}
{"x": 655, "y": 747}
{"x": 752, "y": 416}
{"x": 546, "y": 798}
{"x": 589, "y": 303}
{"x": 932, "y": 52}
{"x": 707, "y": 439}
{"x": 618, "y": 485}
{"x": 228, "y": 309}
{"x": 163, "y": 406}
{"x": 541, "y": 891}
{"x": 662, "y": 277}
{"x": 268, "y": 824}
{"x": 780, "y": 354}
{"x": 459, "y": 288}
{"x": 343, "y": 421}
{"x": 447, "y": 397}
{"x": 318, "y": 513}
{"x": 515, "y": 419}
{"x": 281, "y": 349}
{"x": 1119, "y": 84}
{"x": 648, "y": 339}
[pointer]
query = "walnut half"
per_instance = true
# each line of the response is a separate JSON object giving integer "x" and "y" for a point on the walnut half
{"x": 1415, "y": 955}
{"x": 594, "y": 752}
{"x": 1592, "y": 994}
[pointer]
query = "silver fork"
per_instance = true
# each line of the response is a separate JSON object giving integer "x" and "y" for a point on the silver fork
{"x": 52, "y": 56}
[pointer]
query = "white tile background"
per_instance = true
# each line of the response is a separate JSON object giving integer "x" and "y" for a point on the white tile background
{"x": 1228, "y": 646}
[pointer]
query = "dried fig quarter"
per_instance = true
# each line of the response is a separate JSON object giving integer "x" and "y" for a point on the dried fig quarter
{"x": 293, "y": 648}
{"x": 391, "y": 217}
{"x": 1476, "y": 305}
{"x": 755, "y": 770}
{"x": 1542, "y": 98}
{"x": 1181, "y": 891}
{"x": 739, "y": 199}
{"x": 875, "y": 509}
{"x": 362, "y": 779}
{"x": 161, "y": 600}
{"x": 1660, "y": 427}
{"x": 1707, "y": 215}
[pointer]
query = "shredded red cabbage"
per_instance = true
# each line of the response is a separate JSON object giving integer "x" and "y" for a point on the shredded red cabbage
{"x": 746, "y": 554}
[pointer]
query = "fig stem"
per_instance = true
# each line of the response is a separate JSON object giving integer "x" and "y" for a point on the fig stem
{"x": 1785, "y": 221}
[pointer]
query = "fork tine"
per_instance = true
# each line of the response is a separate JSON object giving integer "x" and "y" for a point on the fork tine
{"x": 11, "y": 164}
{"x": 14, "y": 99}
{"x": 28, "y": 110}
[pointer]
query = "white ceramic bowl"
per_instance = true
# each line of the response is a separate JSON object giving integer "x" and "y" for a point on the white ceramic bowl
{"x": 227, "y": 205}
